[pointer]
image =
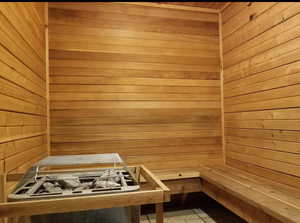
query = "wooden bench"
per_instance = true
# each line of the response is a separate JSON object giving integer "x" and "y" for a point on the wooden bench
{"x": 253, "y": 198}
{"x": 180, "y": 181}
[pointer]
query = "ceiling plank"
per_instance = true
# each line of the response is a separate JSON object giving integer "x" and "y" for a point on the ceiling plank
{"x": 172, "y": 6}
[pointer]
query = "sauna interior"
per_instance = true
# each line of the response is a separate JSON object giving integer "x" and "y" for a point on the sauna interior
{"x": 205, "y": 95}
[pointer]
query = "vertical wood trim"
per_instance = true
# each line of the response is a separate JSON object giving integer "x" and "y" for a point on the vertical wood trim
{"x": 47, "y": 77}
{"x": 159, "y": 210}
{"x": 3, "y": 193}
{"x": 221, "y": 88}
{"x": 2, "y": 187}
{"x": 135, "y": 214}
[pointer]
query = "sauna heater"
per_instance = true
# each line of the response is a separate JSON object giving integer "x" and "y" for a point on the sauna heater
{"x": 115, "y": 179}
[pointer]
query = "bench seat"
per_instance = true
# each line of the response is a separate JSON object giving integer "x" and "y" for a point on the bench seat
{"x": 180, "y": 181}
{"x": 275, "y": 199}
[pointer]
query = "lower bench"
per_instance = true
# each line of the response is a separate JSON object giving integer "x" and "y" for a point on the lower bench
{"x": 253, "y": 198}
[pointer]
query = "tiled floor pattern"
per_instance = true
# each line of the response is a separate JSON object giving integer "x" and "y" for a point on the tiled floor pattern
{"x": 196, "y": 208}
{"x": 191, "y": 216}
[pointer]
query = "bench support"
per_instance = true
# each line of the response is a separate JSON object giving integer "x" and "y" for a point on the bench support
{"x": 159, "y": 209}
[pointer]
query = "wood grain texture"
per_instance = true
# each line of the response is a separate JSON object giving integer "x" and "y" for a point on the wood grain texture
{"x": 23, "y": 106}
{"x": 211, "y": 5}
{"x": 139, "y": 80}
{"x": 261, "y": 89}
{"x": 184, "y": 186}
{"x": 245, "y": 210}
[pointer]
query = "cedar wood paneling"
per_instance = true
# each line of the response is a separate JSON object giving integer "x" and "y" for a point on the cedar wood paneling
{"x": 23, "y": 102}
{"x": 138, "y": 80}
{"x": 261, "y": 48}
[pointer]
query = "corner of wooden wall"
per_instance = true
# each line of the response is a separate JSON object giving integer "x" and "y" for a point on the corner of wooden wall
{"x": 222, "y": 84}
{"x": 47, "y": 78}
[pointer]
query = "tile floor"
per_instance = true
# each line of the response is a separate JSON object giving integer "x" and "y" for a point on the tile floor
{"x": 197, "y": 209}
{"x": 189, "y": 216}
{"x": 181, "y": 216}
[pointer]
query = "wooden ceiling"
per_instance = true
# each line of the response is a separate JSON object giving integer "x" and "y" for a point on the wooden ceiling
{"x": 211, "y": 5}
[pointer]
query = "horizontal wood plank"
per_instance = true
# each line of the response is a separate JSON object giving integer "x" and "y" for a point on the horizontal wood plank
{"x": 23, "y": 103}
{"x": 261, "y": 85}
{"x": 139, "y": 80}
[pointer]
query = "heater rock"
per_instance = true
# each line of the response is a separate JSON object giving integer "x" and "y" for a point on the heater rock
{"x": 51, "y": 188}
{"x": 70, "y": 183}
{"x": 110, "y": 175}
{"x": 84, "y": 186}
{"x": 105, "y": 184}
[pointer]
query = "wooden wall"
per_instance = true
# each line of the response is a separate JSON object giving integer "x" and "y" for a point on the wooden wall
{"x": 141, "y": 81}
{"x": 261, "y": 47}
{"x": 22, "y": 85}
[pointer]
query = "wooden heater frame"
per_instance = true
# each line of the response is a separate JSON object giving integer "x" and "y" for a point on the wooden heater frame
{"x": 155, "y": 193}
